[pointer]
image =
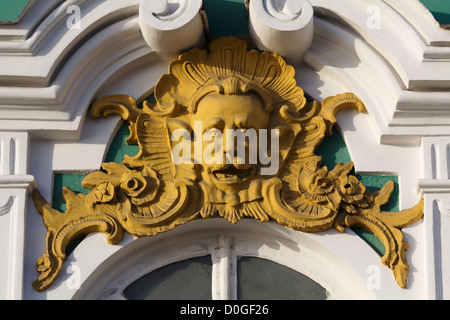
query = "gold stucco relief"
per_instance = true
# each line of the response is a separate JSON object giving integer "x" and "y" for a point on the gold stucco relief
{"x": 231, "y": 135}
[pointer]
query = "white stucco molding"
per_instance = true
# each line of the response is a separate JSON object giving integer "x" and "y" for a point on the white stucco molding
{"x": 282, "y": 26}
{"x": 15, "y": 185}
{"x": 34, "y": 12}
{"x": 390, "y": 29}
{"x": 434, "y": 186}
{"x": 48, "y": 80}
{"x": 49, "y": 91}
{"x": 388, "y": 62}
{"x": 50, "y": 74}
{"x": 171, "y": 26}
{"x": 59, "y": 28}
{"x": 20, "y": 15}
{"x": 435, "y": 38}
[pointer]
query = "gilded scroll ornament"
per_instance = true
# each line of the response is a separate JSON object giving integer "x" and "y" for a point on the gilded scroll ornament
{"x": 231, "y": 135}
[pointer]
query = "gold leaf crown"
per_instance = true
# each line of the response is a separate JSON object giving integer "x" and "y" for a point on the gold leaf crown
{"x": 265, "y": 73}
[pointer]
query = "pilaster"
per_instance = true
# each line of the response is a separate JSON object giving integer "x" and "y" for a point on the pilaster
{"x": 435, "y": 187}
{"x": 15, "y": 185}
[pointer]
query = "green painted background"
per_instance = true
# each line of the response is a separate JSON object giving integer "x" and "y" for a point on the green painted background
{"x": 226, "y": 17}
{"x": 440, "y": 9}
{"x": 10, "y": 10}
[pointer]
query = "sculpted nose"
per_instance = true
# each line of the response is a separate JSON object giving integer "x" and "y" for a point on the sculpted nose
{"x": 240, "y": 122}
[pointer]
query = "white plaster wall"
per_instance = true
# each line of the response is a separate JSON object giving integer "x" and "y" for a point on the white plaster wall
{"x": 49, "y": 76}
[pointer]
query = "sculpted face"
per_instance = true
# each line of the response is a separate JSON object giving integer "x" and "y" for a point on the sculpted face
{"x": 231, "y": 89}
{"x": 221, "y": 116}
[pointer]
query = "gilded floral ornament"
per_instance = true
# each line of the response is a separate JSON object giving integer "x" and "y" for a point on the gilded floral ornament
{"x": 231, "y": 135}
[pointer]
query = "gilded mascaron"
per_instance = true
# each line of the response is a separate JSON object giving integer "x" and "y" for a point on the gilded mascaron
{"x": 205, "y": 94}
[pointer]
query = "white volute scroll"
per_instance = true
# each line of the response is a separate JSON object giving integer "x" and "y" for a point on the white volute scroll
{"x": 282, "y": 26}
{"x": 171, "y": 26}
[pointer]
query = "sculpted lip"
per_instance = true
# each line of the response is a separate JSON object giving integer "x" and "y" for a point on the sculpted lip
{"x": 231, "y": 173}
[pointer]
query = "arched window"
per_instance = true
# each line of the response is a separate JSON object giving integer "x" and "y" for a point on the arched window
{"x": 213, "y": 259}
{"x": 255, "y": 279}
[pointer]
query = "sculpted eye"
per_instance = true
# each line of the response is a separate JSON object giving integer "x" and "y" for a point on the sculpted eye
{"x": 214, "y": 123}
{"x": 242, "y": 122}
{"x": 212, "y": 134}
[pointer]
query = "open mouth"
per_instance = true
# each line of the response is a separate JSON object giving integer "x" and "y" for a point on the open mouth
{"x": 232, "y": 173}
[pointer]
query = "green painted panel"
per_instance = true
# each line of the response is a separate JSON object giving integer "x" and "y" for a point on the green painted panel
{"x": 119, "y": 147}
{"x": 373, "y": 241}
{"x": 376, "y": 182}
{"x": 10, "y": 10}
{"x": 333, "y": 150}
{"x": 73, "y": 181}
{"x": 226, "y": 17}
{"x": 116, "y": 153}
{"x": 440, "y": 10}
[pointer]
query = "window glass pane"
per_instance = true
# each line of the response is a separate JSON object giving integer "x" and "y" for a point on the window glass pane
{"x": 264, "y": 279}
{"x": 185, "y": 280}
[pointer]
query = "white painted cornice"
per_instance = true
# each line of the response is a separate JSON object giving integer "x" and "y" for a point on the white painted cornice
{"x": 401, "y": 70}
{"x": 50, "y": 74}
{"x": 48, "y": 79}
{"x": 41, "y": 54}
{"x": 420, "y": 18}
{"x": 410, "y": 49}
{"x": 170, "y": 27}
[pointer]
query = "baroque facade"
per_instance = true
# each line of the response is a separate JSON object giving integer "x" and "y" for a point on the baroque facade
{"x": 94, "y": 198}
